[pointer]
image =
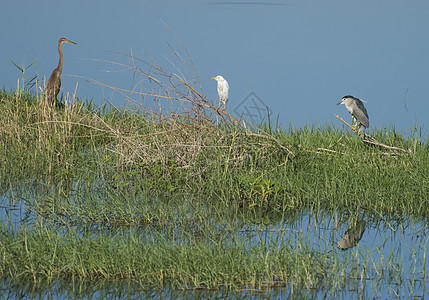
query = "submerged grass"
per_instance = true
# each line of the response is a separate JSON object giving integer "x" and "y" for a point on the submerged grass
{"x": 48, "y": 254}
{"x": 159, "y": 197}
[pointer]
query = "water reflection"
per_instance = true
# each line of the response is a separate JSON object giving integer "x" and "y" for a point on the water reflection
{"x": 388, "y": 260}
{"x": 85, "y": 289}
{"x": 352, "y": 236}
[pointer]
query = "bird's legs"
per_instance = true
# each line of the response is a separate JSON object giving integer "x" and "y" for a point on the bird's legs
{"x": 358, "y": 125}
{"x": 355, "y": 124}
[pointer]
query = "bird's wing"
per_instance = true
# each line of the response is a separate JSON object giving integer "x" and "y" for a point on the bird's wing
{"x": 54, "y": 84}
{"x": 361, "y": 106}
{"x": 223, "y": 94}
{"x": 55, "y": 79}
{"x": 361, "y": 114}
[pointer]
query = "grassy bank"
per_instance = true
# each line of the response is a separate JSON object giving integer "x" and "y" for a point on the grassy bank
{"x": 127, "y": 194}
{"x": 279, "y": 169}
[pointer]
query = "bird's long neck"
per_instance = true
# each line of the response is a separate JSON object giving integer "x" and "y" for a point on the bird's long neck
{"x": 60, "y": 62}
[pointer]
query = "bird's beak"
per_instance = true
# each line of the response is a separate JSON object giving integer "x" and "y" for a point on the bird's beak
{"x": 213, "y": 77}
{"x": 70, "y": 42}
{"x": 341, "y": 102}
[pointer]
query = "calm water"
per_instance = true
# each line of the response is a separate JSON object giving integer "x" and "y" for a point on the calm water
{"x": 393, "y": 252}
{"x": 298, "y": 57}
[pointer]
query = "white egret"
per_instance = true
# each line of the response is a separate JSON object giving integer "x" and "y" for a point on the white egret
{"x": 222, "y": 90}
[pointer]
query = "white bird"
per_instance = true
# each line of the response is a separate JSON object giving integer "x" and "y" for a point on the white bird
{"x": 222, "y": 90}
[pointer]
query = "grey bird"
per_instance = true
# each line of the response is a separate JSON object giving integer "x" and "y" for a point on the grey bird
{"x": 357, "y": 110}
{"x": 352, "y": 236}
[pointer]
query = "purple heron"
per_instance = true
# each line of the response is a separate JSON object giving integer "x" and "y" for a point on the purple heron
{"x": 54, "y": 82}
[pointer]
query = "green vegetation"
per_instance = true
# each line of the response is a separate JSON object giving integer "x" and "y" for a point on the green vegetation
{"x": 181, "y": 200}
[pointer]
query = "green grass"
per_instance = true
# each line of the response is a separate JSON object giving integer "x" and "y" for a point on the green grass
{"x": 48, "y": 254}
{"x": 122, "y": 195}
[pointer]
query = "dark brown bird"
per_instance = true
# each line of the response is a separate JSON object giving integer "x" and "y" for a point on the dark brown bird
{"x": 54, "y": 82}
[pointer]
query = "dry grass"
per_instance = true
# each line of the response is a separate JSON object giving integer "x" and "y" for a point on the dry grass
{"x": 185, "y": 127}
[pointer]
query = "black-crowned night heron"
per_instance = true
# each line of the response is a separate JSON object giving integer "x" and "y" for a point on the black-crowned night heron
{"x": 352, "y": 236}
{"x": 54, "y": 82}
{"x": 222, "y": 90}
{"x": 357, "y": 110}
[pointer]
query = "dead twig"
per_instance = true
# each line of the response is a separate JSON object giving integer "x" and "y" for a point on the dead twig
{"x": 351, "y": 127}
{"x": 370, "y": 140}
